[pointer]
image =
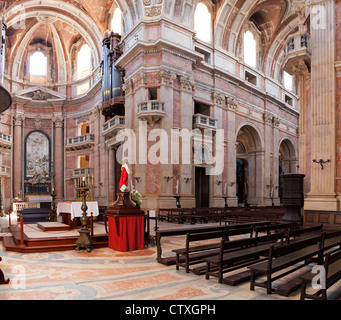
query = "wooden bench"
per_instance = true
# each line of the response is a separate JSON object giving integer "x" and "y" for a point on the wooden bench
{"x": 183, "y": 231}
{"x": 282, "y": 227}
{"x": 195, "y": 255}
{"x": 304, "y": 232}
{"x": 249, "y": 251}
{"x": 332, "y": 274}
{"x": 281, "y": 258}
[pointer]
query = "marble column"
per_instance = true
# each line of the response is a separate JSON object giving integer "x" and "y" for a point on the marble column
{"x": 18, "y": 155}
{"x": 58, "y": 121}
{"x": 218, "y": 188}
{"x": 322, "y": 195}
{"x": 231, "y": 156}
{"x": 186, "y": 189}
{"x": 268, "y": 152}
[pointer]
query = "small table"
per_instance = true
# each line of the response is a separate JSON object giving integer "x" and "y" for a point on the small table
{"x": 70, "y": 211}
{"x": 126, "y": 224}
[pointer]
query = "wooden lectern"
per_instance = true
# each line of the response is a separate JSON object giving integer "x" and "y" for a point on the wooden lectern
{"x": 126, "y": 224}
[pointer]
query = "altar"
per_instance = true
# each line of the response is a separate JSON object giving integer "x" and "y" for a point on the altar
{"x": 70, "y": 211}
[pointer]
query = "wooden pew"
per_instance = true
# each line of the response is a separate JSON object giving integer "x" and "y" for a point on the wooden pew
{"x": 332, "y": 267}
{"x": 194, "y": 255}
{"x": 283, "y": 257}
{"x": 282, "y": 227}
{"x": 183, "y": 231}
{"x": 304, "y": 232}
{"x": 249, "y": 251}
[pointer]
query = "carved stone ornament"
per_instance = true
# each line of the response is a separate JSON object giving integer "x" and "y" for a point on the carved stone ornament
{"x": 267, "y": 118}
{"x": 167, "y": 78}
{"x": 231, "y": 103}
{"x": 187, "y": 84}
{"x": 218, "y": 98}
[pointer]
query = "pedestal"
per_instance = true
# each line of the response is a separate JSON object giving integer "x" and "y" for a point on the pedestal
{"x": 126, "y": 224}
{"x": 293, "y": 197}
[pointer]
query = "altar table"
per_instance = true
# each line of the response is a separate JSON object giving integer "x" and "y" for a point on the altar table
{"x": 74, "y": 208}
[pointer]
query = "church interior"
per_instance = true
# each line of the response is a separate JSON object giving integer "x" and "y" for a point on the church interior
{"x": 184, "y": 149}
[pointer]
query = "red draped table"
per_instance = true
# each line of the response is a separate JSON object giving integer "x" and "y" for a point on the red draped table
{"x": 126, "y": 233}
{"x": 126, "y": 225}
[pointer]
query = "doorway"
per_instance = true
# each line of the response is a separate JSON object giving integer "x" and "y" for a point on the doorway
{"x": 202, "y": 188}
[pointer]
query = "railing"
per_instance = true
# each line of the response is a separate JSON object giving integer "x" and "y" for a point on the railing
{"x": 113, "y": 124}
{"x": 78, "y": 140}
{"x": 151, "y": 111}
{"x": 151, "y": 106}
{"x": 298, "y": 42}
{"x": 201, "y": 121}
{"x": 81, "y": 172}
{"x": 79, "y": 143}
{"x": 37, "y": 189}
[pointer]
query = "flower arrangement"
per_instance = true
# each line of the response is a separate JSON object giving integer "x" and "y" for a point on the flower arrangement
{"x": 135, "y": 196}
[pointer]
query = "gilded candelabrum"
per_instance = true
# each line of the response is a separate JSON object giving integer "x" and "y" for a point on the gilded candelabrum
{"x": 84, "y": 241}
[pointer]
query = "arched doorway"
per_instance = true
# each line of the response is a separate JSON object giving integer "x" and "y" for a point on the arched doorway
{"x": 249, "y": 171}
{"x": 287, "y": 162}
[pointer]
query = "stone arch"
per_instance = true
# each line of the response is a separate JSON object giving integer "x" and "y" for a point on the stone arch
{"x": 250, "y": 177}
{"x": 51, "y": 11}
{"x": 287, "y": 156}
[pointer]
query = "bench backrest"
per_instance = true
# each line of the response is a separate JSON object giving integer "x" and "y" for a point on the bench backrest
{"x": 330, "y": 259}
{"x": 275, "y": 227}
{"x": 301, "y": 231}
{"x": 225, "y": 234}
{"x": 289, "y": 248}
{"x": 244, "y": 243}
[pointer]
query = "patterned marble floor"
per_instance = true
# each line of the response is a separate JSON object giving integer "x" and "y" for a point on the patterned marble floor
{"x": 105, "y": 274}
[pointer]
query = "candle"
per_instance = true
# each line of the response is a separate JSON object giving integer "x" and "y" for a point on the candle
{"x": 131, "y": 185}
{"x": 177, "y": 187}
{"x": 225, "y": 189}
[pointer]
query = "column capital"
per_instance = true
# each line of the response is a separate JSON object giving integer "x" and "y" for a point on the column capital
{"x": 58, "y": 121}
{"x": 187, "y": 84}
{"x": 231, "y": 103}
{"x": 167, "y": 78}
{"x": 19, "y": 119}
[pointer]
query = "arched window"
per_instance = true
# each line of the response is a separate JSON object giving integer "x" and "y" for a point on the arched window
{"x": 38, "y": 64}
{"x": 288, "y": 81}
{"x": 116, "y": 21}
{"x": 250, "y": 49}
{"x": 203, "y": 22}
{"x": 83, "y": 62}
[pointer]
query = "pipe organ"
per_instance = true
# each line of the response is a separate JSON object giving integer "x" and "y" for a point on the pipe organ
{"x": 112, "y": 81}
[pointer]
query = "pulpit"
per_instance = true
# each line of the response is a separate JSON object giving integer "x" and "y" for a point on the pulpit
{"x": 126, "y": 224}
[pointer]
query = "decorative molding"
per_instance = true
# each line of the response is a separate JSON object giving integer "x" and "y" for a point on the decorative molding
{"x": 58, "y": 121}
{"x": 276, "y": 122}
{"x": 187, "y": 84}
{"x": 19, "y": 119}
{"x": 231, "y": 103}
{"x": 218, "y": 99}
{"x": 268, "y": 118}
{"x": 167, "y": 78}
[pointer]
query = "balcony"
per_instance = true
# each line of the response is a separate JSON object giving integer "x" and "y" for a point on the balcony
{"x": 151, "y": 111}
{"x": 80, "y": 172}
{"x": 4, "y": 171}
{"x": 111, "y": 127}
{"x": 80, "y": 143}
{"x": 5, "y": 141}
{"x": 205, "y": 122}
{"x": 297, "y": 50}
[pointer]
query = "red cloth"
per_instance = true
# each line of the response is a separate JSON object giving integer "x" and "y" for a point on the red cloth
{"x": 124, "y": 178}
{"x": 131, "y": 231}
